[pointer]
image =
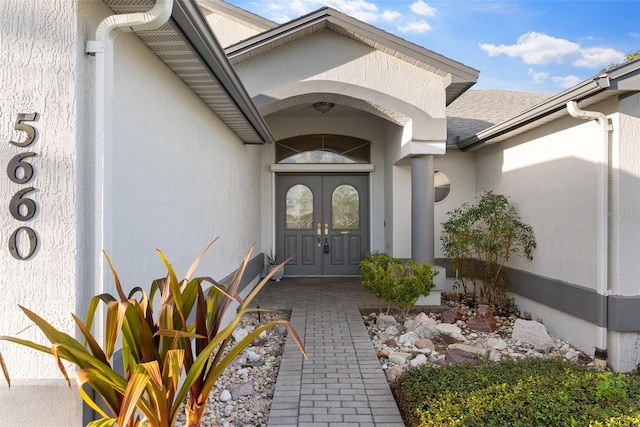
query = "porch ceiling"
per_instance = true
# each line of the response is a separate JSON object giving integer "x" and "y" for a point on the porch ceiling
{"x": 188, "y": 47}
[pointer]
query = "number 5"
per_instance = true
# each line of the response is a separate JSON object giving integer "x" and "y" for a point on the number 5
{"x": 28, "y": 129}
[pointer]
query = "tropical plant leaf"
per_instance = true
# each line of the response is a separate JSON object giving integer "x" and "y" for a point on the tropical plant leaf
{"x": 135, "y": 387}
{"x": 4, "y": 370}
{"x": 196, "y": 262}
{"x": 116, "y": 279}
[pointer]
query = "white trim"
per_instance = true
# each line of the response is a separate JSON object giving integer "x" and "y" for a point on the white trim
{"x": 321, "y": 167}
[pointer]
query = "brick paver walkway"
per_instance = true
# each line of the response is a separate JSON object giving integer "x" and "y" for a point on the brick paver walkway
{"x": 342, "y": 382}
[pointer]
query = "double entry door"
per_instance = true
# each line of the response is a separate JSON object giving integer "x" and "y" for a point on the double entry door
{"x": 322, "y": 221}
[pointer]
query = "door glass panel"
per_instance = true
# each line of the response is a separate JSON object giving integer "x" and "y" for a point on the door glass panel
{"x": 299, "y": 208}
{"x": 345, "y": 208}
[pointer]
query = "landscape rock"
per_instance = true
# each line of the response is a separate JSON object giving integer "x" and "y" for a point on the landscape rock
{"x": 394, "y": 372}
{"x": 452, "y": 315}
{"x": 391, "y": 342}
{"x": 419, "y": 360}
{"x": 386, "y": 320}
{"x": 408, "y": 339}
{"x": 496, "y": 343}
{"x": 483, "y": 321}
{"x": 534, "y": 333}
{"x": 399, "y": 357}
{"x": 421, "y": 319}
{"x": 427, "y": 331}
{"x": 239, "y": 334}
{"x": 424, "y": 344}
{"x": 456, "y": 356}
{"x": 391, "y": 330}
{"x": 478, "y": 351}
{"x": 448, "y": 330}
{"x": 242, "y": 389}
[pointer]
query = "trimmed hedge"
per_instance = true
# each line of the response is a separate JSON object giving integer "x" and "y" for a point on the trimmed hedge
{"x": 528, "y": 392}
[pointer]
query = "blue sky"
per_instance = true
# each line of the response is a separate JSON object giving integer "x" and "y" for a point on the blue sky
{"x": 544, "y": 46}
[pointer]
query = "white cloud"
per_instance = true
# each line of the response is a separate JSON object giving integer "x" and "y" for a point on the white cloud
{"x": 565, "y": 82}
{"x": 415, "y": 27}
{"x": 421, "y": 8}
{"x": 286, "y": 10}
{"x": 635, "y": 35}
{"x": 538, "y": 48}
{"x": 390, "y": 15}
{"x": 596, "y": 57}
{"x": 538, "y": 77}
{"x": 535, "y": 48}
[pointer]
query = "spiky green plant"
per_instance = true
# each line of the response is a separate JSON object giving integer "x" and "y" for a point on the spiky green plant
{"x": 166, "y": 359}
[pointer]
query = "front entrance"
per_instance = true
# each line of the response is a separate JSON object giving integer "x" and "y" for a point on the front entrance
{"x": 322, "y": 221}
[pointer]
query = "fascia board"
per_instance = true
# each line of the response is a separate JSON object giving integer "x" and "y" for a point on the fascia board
{"x": 363, "y": 31}
{"x": 552, "y": 105}
{"x": 186, "y": 17}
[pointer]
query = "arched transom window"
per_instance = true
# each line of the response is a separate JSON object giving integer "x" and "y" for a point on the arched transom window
{"x": 323, "y": 149}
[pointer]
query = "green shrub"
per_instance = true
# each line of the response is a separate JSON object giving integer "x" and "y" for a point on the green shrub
{"x": 399, "y": 285}
{"x": 530, "y": 392}
{"x": 480, "y": 239}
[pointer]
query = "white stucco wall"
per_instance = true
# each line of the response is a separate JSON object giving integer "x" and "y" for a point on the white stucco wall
{"x": 181, "y": 177}
{"x": 551, "y": 181}
{"x": 460, "y": 168}
{"x": 229, "y": 31}
{"x": 624, "y": 215}
{"x": 327, "y": 56}
{"x": 38, "y": 50}
{"x": 551, "y": 176}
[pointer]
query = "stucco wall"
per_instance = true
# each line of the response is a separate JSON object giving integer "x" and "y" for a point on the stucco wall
{"x": 181, "y": 177}
{"x": 551, "y": 176}
{"x": 551, "y": 181}
{"x": 328, "y": 56}
{"x": 624, "y": 212}
{"x": 229, "y": 31}
{"x": 460, "y": 168}
{"x": 38, "y": 50}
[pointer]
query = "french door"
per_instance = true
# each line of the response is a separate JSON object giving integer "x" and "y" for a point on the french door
{"x": 322, "y": 221}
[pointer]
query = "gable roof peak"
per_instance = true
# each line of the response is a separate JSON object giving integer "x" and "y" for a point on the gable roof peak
{"x": 461, "y": 76}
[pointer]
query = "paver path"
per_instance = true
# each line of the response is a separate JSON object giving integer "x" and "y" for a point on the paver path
{"x": 342, "y": 382}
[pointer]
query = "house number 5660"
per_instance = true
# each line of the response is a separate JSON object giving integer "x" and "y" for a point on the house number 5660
{"x": 19, "y": 171}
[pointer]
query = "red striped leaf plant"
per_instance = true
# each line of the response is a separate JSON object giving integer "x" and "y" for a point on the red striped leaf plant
{"x": 167, "y": 358}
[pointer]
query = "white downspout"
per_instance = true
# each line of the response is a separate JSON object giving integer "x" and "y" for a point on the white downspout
{"x": 101, "y": 48}
{"x": 603, "y": 228}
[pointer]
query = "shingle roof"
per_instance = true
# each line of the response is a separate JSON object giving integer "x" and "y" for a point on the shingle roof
{"x": 477, "y": 110}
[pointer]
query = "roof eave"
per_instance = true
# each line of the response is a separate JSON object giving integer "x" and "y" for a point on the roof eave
{"x": 443, "y": 65}
{"x": 625, "y": 77}
{"x": 188, "y": 18}
{"x": 550, "y": 106}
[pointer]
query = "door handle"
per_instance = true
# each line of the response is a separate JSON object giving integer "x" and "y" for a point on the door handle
{"x": 345, "y": 232}
{"x": 319, "y": 233}
{"x": 326, "y": 238}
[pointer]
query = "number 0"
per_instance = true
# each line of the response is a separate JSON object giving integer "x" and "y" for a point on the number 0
{"x": 13, "y": 243}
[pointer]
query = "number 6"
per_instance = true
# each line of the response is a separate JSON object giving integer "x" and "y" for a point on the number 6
{"x": 17, "y": 201}
{"x": 16, "y": 163}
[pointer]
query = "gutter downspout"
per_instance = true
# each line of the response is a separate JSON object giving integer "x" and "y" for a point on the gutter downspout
{"x": 603, "y": 229}
{"x": 102, "y": 48}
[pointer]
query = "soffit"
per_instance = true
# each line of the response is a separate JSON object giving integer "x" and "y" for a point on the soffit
{"x": 187, "y": 46}
{"x": 462, "y": 77}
